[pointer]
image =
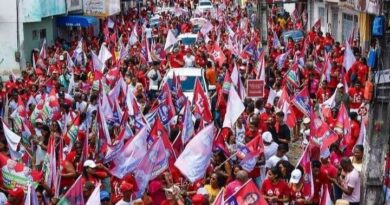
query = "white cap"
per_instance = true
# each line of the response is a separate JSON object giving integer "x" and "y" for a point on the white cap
{"x": 325, "y": 154}
{"x": 61, "y": 57}
{"x": 296, "y": 175}
{"x": 89, "y": 163}
{"x": 267, "y": 137}
{"x": 306, "y": 120}
{"x": 340, "y": 85}
{"x": 202, "y": 191}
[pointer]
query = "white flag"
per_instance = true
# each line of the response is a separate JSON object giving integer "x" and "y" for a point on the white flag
{"x": 349, "y": 57}
{"x": 236, "y": 79}
{"x": 94, "y": 199}
{"x": 97, "y": 63}
{"x": 206, "y": 28}
{"x": 134, "y": 36}
{"x": 31, "y": 197}
{"x": 13, "y": 141}
{"x": 171, "y": 40}
{"x": 195, "y": 158}
{"x": 362, "y": 134}
{"x": 104, "y": 54}
{"x": 234, "y": 108}
{"x": 271, "y": 96}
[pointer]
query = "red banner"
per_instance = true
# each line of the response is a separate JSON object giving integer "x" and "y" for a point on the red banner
{"x": 255, "y": 88}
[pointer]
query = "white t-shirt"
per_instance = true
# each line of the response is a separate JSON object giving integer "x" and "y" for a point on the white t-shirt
{"x": 121, "y": 202}
{"x": 189, "y": 61}
{"x": 270, "y": 150}
{"x": 272, "y": 161}
{"x": 148, "y": 32}
{"x": 152, "y": 74}
{"x": 352, "y": 179}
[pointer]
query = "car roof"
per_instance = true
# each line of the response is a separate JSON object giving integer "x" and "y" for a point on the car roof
{"x": 191, "y": 71}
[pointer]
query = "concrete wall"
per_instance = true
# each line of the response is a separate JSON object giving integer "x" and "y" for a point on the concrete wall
{"x": 8, "y": 36}
{"x": 32, "y": 41}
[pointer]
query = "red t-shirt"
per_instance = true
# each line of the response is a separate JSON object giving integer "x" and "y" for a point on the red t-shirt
{"x": 280, "y": 189}
{"x": 357, "y": 96}
{"x": 304, "y": 193}
{"x": 328, "y": 170}
{"x": 176, "y": 61}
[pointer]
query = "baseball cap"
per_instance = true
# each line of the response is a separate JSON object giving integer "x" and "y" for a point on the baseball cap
{"x": 198, "y": 199}
{"x": 340, "y": 85}
{"x": 104, "y": 195}
{"x": 325, "y": 154}
{"x": 306, "y": 120}
{"x": 267, "y": 137}
{"x": 16, "y": 192}
{"x": 126, "y": 186}
{"x": 89, "y": 163}
{"x": 296, "y": 175}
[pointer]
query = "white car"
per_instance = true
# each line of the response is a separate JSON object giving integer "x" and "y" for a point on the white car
{"x": 187, "y": 78}
{"x": 204, "y": 5}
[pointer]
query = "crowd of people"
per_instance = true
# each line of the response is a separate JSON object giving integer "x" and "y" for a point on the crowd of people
{"x": 82, "y": 124}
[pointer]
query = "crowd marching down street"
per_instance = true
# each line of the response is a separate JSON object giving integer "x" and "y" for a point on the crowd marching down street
{"x": 159, "y": 110}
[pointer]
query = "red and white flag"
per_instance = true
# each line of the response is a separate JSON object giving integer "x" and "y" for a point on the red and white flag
{"x": 170, "y": 41}
{"x": 201, "y": 103}
{"x": 43, "y": 52}
{"x": 94, "y": 199}
{"x": 349, "y": 57}
{"x": 234, "y": 108}
{"x": 74, "y": 195}
{"x": 219, "y": 200}
{"x": 198, "y": 151}
{"x": 236, "y": 80}
{"x": 325, "y": 196}
{"x": 305, "y": 163}
{"x": 317, "y": 25}
{"x": 134, "y": 36}
{"x": 218, "y": 55}
{"x": 248, "y": 193}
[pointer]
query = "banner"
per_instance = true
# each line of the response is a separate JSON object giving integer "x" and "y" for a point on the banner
{"x": 16, "y": 174}
{"x": 101, "y": 8}
{"x": 255, "y": 88}
{"x": 369, "y": 6}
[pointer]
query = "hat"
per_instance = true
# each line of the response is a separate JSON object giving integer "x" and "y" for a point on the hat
{"x": 61, "y": 57}
{"x": 267, "y": 137}
{"x": 198, "y": 199}
{"x": 340, "y": 85}
{"x": 89, "y": 163}
{"x": 104, "y": 195}
{"x": 342, "y": 202}
{"x": 306, "y": 120}
{"x": 16, "y": 192}
{"x": 202, "y": 191}
{"x": 172, "y": 189}
{"x": 268, "y": 106}
{"x": 296, "y": 175}
{"x": 325, "y": 154}
{"x": 126, "y": 186}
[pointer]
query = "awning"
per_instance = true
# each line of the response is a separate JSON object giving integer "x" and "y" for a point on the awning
{"x": 82, "y": 21}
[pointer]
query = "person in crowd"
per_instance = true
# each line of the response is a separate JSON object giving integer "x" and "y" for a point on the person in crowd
{"x": 357, "y": 157}
{"x": 275, "y": 190}
{"x": 349, "y": 182}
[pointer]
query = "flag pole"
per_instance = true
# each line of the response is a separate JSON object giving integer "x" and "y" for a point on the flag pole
{"x": 220, "y": 165}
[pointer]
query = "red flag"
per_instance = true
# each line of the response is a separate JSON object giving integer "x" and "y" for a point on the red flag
{"x": 250, "y": 152}
{"x": 344, "y": 125}
{"x": 74, "y": 195}
{"x": 218, "y": 55}
{"x": 325, "y": 196}
{"x": 302, "y": 101}
{"x": 305, "y": 163}
{"x": 219, "y": 200}
{"x": 166, "y": 110}
{"x": 219, "y": 142}
{"x": 317, "y": 25}
{"x": 201, "y": 103}
{"x": 321, "y": 132}
{"x": 247, "y": 194}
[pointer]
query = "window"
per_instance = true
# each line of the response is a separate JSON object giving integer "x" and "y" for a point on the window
{"x": 42, "y": 33}
{"x": 34, "y": 35}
